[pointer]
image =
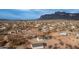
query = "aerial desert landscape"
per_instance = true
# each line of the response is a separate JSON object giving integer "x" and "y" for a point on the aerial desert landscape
{"x": 39, "y": 29}
{"x": 41, "y": 34}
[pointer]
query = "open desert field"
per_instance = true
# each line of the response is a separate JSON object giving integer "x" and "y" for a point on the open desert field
{"x": 42, "y": 34}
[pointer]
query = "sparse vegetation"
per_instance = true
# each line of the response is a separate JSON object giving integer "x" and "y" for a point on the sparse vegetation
{"x": 24, "y": 34}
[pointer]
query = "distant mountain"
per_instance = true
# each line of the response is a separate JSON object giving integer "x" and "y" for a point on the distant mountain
{"x": 60, "y": 15}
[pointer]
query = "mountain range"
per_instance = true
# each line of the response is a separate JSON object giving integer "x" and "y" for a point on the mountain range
{"x": 60, "y": 15}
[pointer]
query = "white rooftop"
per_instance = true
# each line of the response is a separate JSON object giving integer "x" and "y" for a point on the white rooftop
{"x": 63, "y": 33}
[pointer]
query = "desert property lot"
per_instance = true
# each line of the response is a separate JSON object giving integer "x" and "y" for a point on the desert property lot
{"x": 39, "y": 34}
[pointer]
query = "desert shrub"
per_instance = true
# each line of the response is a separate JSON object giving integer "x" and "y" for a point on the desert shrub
{"x": 2, "y": 43}
{"x": 76, "y": 47}
{"x": 44, "y": 45}
{"x": 46, "y": 37}
{"x": 17, "y": 39}
{"x": 62, "y": 43}
{"x": 50, "y": 46}
{"x": 69, "y": 46}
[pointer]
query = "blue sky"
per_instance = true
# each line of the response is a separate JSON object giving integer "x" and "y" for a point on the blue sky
{"x": 30, "y": 13}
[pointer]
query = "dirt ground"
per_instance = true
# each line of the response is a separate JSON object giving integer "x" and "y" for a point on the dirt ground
{"x": 56, "y": 34}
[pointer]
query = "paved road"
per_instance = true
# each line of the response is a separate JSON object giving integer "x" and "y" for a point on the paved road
{"x": 2, "y": 48}
{"x": 39, "y": 47}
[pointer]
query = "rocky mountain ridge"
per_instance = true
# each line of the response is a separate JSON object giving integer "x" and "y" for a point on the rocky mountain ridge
{"x": 60, "y": 15}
